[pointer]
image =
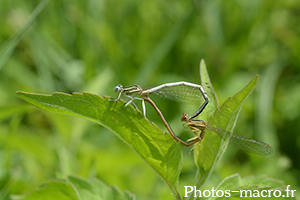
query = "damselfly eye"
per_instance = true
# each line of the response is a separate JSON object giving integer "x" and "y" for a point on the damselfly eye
{"x": 118, "y": 88}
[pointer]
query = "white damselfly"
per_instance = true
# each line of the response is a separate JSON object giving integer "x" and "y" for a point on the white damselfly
{"x": 178, "y": 91}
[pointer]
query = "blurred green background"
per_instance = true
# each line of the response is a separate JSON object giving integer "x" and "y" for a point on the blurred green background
{"x": 76, "y": 46}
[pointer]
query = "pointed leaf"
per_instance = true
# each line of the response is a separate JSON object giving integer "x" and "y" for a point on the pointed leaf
{"x": 208, "y": 88}
{"x": 212, "y": 147}
{"x": 160, "y": 151}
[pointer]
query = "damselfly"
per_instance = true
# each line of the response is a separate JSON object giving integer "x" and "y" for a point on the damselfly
{"x": 170, "y": 131}
{"x": 178, "y": 91}
{"x": 241, "y": 142}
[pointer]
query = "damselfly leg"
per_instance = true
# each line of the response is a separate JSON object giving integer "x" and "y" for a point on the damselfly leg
{"x": 130, "y": 92}
{"x": 241, "y": 142}
{"x": 178, "y": 91}
{"x": 170, "y": 131}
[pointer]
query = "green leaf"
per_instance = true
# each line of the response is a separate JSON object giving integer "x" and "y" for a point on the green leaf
{"x": 160, "y": 151}
{"x": 57, "y": 189}
{"x": 75, "y": 188}
{"x": 251, "y": 185}
{"x": 210, "y": 150}
{"x": 96, "y": 189}
{"x": 208, "y": 88}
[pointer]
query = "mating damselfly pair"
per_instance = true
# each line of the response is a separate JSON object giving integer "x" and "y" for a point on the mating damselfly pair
{"x": 189, "y": 92}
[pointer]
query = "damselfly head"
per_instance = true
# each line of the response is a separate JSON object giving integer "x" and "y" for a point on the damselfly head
{"x": 118, "y": 88}
{"x": 184, "y": 117}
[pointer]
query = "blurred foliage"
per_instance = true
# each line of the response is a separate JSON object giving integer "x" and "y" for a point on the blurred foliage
{"x": 94, "y": 45}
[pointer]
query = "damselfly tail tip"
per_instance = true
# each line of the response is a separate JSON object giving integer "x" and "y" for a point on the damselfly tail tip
{"x": 270, "y": 150}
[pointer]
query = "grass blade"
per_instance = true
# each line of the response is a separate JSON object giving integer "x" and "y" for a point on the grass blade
{"x": 9, "y": 45}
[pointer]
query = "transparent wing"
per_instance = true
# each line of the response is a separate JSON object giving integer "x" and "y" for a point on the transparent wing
{"x": 181, "y": 93}
{"x": 243, "y": 143}
{"x": 250, "y": 145}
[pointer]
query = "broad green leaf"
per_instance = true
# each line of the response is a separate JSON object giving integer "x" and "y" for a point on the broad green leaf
{"x": 160, "y": 151}
{"x": 210, "y": 150}
{"x": 8, "y": 46}
{"x": 253, "y": 186}
{"x": 96, "y": 189}
{"x": 75, "y": 188}
{"x": 57, "y": 189}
